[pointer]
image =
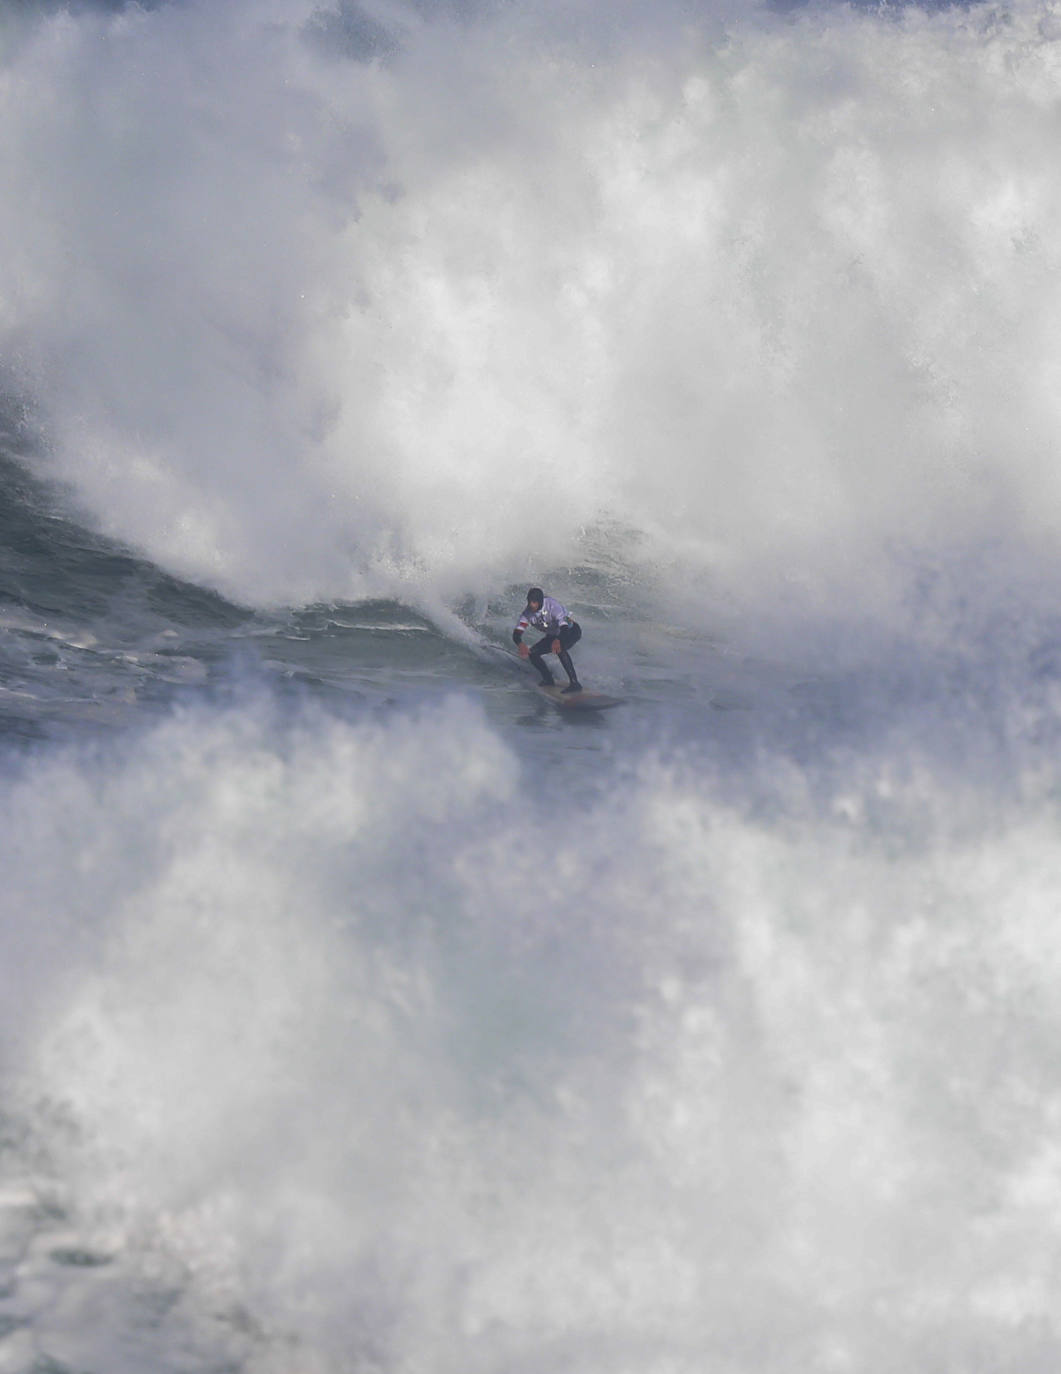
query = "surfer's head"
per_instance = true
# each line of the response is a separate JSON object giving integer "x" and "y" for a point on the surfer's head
{"x": 535, "y": 598}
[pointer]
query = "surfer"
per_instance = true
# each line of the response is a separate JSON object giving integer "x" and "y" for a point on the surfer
{"x": 561, "y": 632}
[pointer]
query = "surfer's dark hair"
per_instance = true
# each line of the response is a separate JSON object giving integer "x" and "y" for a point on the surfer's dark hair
{"x": 536, "y": 594}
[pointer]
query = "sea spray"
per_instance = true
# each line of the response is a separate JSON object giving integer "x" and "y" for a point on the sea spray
{"x": 374, "y": 1044}
{"x": 774, "y": 292}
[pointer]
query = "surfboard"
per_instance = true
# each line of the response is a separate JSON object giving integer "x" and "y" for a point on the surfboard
{"x": 579, "y": 701}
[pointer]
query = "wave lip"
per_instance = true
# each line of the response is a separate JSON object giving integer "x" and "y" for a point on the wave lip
{"x": 769, "y": 290}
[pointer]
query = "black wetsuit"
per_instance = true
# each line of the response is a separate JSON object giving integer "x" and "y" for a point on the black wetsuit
{"x": 557, "y": 624}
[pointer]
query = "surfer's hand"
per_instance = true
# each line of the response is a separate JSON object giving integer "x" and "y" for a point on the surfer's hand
{"x": 556, "y": 646}
{"x": 524, "y": 651}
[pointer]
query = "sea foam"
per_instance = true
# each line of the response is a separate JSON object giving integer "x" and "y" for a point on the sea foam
{"x": 315, "y": 308}
{"x": 360, "y": 1044}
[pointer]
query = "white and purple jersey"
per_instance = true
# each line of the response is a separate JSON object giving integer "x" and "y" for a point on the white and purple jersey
{"x": 549, "y": 619}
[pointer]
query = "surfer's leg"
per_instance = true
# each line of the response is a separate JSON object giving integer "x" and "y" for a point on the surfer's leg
{"x": 537, "y": 656}
{"x": 573, "y": 684}
{"x": 569, "y": 635}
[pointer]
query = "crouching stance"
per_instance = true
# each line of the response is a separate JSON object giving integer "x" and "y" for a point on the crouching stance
{"x": 561, "y": 632}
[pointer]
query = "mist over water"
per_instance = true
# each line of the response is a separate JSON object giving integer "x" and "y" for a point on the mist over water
{"x": 764, "y": 1082}
{"x": 358, "y": 1010}
{"x": 753, "y": 1089}
{"x": 314, "y": 305}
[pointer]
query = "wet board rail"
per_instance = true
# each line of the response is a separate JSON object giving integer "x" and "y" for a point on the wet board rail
{"x": 578, "y": 701}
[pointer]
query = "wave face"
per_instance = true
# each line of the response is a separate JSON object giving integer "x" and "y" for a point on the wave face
{"x": 360, "y": 1011}
{"x": 318, "y": 304}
